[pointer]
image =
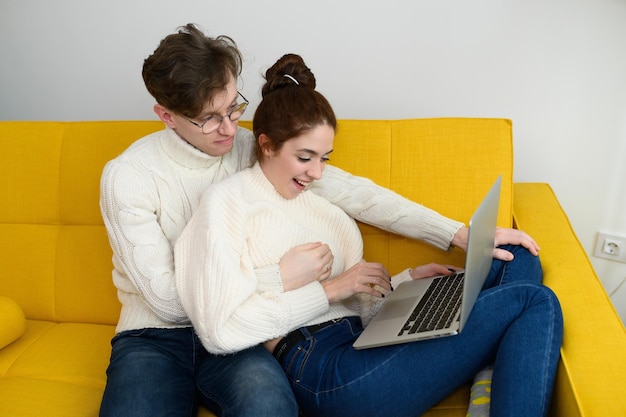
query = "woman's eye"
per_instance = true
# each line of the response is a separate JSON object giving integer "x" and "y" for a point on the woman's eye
{"x": 302, "y": 159}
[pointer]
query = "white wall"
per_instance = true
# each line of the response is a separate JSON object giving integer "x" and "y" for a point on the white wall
{"x": 557, "y": 68}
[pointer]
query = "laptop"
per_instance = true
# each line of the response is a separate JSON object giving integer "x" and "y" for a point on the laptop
{"x": 439, "y": 306}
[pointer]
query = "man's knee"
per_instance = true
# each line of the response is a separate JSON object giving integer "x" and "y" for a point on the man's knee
{"x": 247, "y": 383}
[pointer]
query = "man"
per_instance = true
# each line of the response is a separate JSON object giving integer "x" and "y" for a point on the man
{"x": 158, "y": 367}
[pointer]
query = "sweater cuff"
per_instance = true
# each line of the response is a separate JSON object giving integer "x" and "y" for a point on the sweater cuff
{"x": 305, "y": 304}
{"x": 269, "y": 279}
{"x": 401, "y": 277}
{"x": 438, "y": 230}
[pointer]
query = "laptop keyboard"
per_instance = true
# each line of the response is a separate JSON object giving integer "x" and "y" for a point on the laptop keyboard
{"x": 437, "y": 308}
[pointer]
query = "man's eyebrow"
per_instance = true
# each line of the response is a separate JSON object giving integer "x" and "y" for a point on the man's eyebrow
{"x": 211, "y": 113}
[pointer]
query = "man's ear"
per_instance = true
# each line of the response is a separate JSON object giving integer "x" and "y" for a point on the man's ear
{"x": 265, "y": 143}
{"x": 165, "y": 115}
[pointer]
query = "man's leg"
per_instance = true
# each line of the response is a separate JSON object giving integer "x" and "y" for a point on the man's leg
{"x": 151, "y": 374}
{"x": 248, "y": 383}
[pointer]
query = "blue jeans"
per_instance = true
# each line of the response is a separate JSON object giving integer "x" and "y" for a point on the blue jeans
{"x": 166, "y": 372}
{"x": 516, "y": 324}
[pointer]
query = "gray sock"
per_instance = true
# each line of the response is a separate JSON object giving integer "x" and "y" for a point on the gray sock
{"x": 480, "y": 394}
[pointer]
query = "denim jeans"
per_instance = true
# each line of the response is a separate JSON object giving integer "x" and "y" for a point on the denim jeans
{"x": 166, "y": 372}
{"x": 516, "y": 324}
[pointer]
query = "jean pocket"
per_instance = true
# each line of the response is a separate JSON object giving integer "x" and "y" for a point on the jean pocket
{"x": 297, "y": 362}
{"x": 129, "y": 333}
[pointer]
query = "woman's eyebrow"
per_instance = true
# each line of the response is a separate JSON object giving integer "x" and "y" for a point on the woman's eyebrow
{"x": 312, "y": 152}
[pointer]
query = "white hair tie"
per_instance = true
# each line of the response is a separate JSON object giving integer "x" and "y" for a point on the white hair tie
{"x": 292, "y": 79}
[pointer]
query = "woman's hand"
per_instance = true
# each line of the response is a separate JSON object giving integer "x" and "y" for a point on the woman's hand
{"x": 363, "y": 277}
{"x": 431, "y": 270}
{"x": 504, "y": 236}
{"x": 304, "y": 264}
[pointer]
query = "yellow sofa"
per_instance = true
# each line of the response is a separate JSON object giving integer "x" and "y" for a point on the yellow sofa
{"x": 58, "y": 306}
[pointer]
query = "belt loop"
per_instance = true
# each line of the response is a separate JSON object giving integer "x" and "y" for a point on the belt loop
{"x": 305, "y": 332}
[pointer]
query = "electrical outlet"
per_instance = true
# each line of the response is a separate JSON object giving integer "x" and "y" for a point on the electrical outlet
{"x": 611, "y": 246}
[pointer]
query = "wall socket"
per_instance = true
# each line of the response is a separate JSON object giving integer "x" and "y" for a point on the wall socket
{"x": 611, "y": 246}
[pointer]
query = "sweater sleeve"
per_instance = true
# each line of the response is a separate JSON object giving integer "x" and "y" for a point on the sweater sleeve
{"x": 217, "y": 283}
{"x": 141, "y": 250}
{"x": 370, "y": 203}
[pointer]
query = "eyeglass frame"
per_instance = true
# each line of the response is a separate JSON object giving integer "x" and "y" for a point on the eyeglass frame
{"x": 221, "y": 118}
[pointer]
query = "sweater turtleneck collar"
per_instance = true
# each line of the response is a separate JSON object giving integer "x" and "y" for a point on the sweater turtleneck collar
{"x": 267, "y": 189}
{"x": 183, "y": 153}
{"x": 261, "y": 183}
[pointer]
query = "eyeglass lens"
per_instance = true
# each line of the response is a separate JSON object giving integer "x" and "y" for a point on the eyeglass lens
{"x": 213, "y": 123}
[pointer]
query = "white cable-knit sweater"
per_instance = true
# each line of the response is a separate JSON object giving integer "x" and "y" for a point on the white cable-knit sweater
{"x": 243, "y": 225}
{"x": 149, "y": 193}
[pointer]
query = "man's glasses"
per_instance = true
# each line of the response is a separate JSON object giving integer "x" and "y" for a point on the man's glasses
{"x": 211, "y": 123}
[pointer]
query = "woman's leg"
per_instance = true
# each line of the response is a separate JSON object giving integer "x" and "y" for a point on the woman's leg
{"x": 519, "y": 324}
{"x": 526, "y": 360}
{"x": 524, "y": 267}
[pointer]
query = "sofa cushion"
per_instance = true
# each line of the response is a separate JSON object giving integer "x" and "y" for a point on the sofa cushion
{"x": 61, "y": 365}
{"x": 13, "y": 321}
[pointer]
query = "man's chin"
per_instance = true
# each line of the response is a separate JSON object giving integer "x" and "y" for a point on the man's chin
{"x": 221, "y": 148}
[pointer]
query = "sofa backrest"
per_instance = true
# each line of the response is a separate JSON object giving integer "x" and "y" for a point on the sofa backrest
{"x": 55, "y": 259}
{"x": 447, "y": 164}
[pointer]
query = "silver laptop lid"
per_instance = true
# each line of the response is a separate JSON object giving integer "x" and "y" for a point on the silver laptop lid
{"x": 480, "y": 246}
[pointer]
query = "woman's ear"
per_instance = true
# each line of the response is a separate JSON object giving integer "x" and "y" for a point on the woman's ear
{"x": 165, "y": 115}
{"x": 265, "y": 143}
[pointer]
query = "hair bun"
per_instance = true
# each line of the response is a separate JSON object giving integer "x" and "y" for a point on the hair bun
{"x": 289, "y": 71}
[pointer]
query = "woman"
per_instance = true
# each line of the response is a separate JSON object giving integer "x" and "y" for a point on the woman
{"x": 235, "y": 300}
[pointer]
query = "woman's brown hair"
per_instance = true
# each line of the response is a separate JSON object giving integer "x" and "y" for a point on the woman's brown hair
{"x": 290, "y": 105}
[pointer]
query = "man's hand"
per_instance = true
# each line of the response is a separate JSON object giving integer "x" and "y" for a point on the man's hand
{"x": 304, "y": 264}
{"x": 504, "y": 236}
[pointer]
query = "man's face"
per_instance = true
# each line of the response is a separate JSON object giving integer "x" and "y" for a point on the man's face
{"x": 220, "y": 141}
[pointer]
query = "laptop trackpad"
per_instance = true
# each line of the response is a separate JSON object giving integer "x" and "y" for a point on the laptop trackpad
{"x": 395, "y": 308}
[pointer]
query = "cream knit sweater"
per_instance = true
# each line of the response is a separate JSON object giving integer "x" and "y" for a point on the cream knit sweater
{"x": 150, "y": 191}
{"x": 242, "y": 226}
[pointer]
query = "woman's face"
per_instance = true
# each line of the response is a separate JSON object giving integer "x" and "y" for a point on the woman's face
{"x": 299, "y": 162}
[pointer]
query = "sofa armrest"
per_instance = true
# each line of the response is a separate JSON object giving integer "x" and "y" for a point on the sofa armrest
{"x": 592, "y": 372}
{"x": 13, "y": 322}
